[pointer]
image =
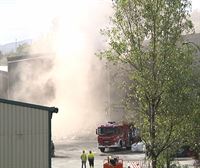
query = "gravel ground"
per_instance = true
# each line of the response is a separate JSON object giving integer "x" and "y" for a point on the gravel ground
{"x": 68, "y": 155}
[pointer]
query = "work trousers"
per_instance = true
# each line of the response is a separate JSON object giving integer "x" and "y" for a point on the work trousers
{"x": 83, "y": 164}
{"x": 91, "y": 162}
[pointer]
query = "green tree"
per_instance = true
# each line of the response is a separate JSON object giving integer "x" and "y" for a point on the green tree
{"x": 146, "y": 36}
{"x": 21, "y": 50}
{"x": 193, "y": 129}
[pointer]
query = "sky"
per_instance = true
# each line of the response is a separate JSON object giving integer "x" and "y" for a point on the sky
{"x": 22, "y": 19}
{"x": 27, "y": 19}
{"x": 196, "y": 4}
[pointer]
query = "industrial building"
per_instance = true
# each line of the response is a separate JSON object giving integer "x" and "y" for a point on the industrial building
{"x": 3, "y": 82}
{"x": 25, "y": 135}
{"x": 28, "y": 78}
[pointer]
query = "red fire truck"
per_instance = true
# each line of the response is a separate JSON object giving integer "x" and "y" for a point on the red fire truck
{"x": 116, "y": 136}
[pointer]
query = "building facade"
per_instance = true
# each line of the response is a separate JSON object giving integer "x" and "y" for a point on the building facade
{"x": 29, "y": 79}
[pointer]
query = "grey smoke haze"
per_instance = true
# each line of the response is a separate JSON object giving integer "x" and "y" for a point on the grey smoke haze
{"x": 196, "y": 20}
{"x": 74, "y": 79}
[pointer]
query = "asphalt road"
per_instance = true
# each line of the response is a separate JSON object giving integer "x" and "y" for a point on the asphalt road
{"x": 68, "y": 155}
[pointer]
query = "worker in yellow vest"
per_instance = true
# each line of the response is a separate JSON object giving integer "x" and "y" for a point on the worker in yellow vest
{"x": 83, "y": 159}
{"x": 91, "y": 159}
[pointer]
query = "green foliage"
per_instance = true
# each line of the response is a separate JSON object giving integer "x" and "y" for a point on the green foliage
{"x": 176, "y": 165}
{"x": 22, "y": 49}
{"x": 146, "y": 36}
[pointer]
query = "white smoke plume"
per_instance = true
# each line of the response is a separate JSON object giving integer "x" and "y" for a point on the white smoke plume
{"x": 195, "y": 17}
{"x": 75, "y": 79}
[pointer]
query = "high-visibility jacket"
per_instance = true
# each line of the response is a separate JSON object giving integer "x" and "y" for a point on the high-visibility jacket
{"x": 84, "y": 157}
{"x": 90, "y": 156}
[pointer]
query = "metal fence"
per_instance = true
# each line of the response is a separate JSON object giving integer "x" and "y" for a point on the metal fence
{"x": 138, "y": 164}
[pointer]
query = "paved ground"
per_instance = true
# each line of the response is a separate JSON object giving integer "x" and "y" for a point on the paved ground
{"x": 68, "y": 155}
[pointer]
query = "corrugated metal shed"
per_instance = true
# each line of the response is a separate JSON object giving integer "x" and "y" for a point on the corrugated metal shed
{"x": 25, "y": 135}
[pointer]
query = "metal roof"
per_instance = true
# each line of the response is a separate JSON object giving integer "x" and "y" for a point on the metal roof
{"x": 19, "y": 58}
{"x": 49, "y": 109}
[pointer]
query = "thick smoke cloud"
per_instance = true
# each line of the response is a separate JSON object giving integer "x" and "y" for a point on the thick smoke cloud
{"x": 68, "y": 74}
{"x": 195, "y": 16}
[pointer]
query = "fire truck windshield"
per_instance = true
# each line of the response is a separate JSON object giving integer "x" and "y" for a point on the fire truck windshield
{"x": 108, "y": 131}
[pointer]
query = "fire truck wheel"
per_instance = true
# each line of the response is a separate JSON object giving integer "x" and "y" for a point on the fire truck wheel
{"x": 102, "y": 149}
{"x": 128, "y": 147}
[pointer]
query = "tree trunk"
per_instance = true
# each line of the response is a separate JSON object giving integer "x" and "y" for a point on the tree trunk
{"x": 154, "y": 162}
{"x": 152, "y": 134}
{"x": 168, "y": 160}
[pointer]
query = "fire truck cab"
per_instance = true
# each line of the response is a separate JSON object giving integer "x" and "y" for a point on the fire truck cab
{"x": 115, "y": 136}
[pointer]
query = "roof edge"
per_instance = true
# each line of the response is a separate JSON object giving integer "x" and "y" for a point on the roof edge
{"x": 24, "y": 104}
{"x": 29, "y": 56}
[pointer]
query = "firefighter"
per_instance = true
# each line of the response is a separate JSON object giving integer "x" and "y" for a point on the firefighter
{"x": 91, "y": 159}
{"x": 83, "y": 159}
